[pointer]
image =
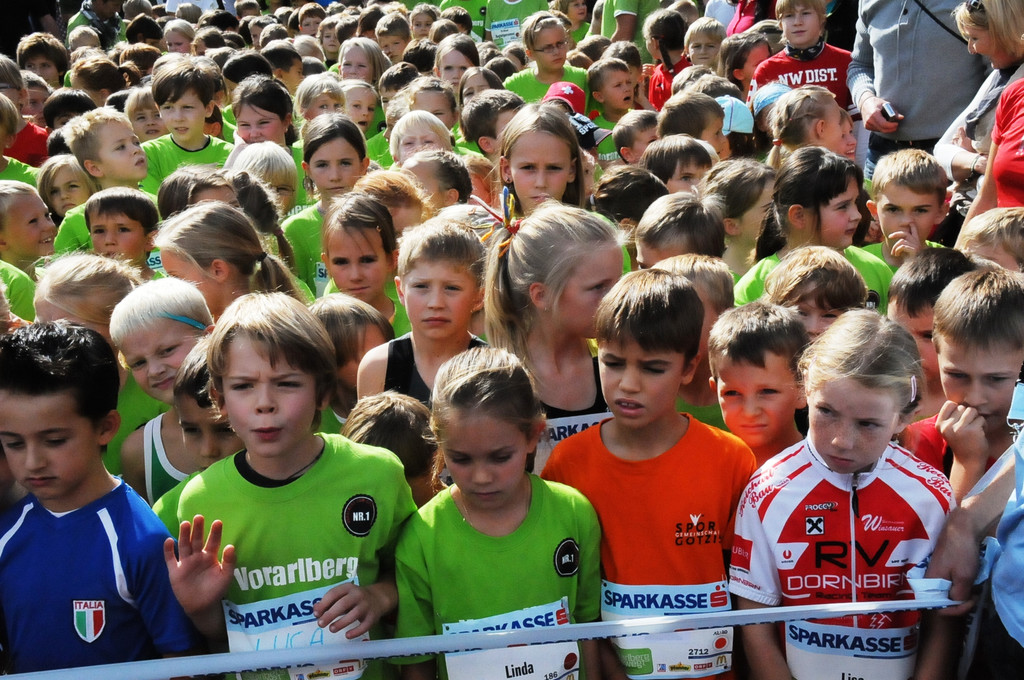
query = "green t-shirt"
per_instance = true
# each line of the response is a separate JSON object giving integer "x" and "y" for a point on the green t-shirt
{"x": 339, "y": 520}
{"x": 606, "y": 150}
{"x": 709, "y": 415}
{"x": 876, "y": 273}
{"x": 505, "y": 19}
{"x": 80, "y": 19}
{"x": 18, "y": 171}
{"x": 164, "y": 157}
{"x": 301, "y": 198}
{"x": 876, "y": 250}
{"x": 21, "y": 291}
{"x": 136, "y": 408}
{"x": 580, "y": 33}
{"x": 379, "y": 151}
{"x": 641, "y": 9}
{"x": 73, "y": 233}
{"x": 303, "y": 232}
{"x": 166, "y": 507}
{"x": 526, "y": 85}
{"x": 484, "y": 576}
{"x": 477, "y": 12}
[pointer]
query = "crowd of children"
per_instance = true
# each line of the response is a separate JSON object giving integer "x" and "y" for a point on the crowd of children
{"x": 330, "y": 323}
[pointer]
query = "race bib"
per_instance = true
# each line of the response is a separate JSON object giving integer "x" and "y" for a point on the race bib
{"x": 557, "y": 429}
{"x": 288, "y": 622}
{"x": 818, "y": 651}
{"x": 682, "y": 654}
{"x": 556, "y": 661}
{"x": 320, "y": 279}
{"x": 505, "y": 31}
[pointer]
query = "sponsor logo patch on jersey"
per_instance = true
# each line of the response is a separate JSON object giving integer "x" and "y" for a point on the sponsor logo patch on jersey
{"x": 359, "y": 515}
{"x": 90, "y": 618}
{"x": 567, "y": 557}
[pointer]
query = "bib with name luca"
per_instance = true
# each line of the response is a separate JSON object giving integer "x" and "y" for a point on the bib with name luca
{"x": 288, "y": 622}
{"x": 682, "y": 654}
{"x": 556, "y": 661}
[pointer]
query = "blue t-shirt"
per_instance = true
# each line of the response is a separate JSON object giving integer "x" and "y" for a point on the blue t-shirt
{"x": 1007, "y": 585}
{"x": 87, "y": 587}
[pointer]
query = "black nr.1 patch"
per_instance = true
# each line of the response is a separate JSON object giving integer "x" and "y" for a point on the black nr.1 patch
{"x": 359, "y": 515}
{"x": 567, "y": 557}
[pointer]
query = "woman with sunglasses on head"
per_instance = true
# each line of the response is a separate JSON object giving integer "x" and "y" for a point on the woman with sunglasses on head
{"x": 547, "y": 43}
{"x": 981, "y": 141}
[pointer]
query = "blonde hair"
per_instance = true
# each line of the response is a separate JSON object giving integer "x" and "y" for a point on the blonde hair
{"x": 981, "y": 309}
{"x": 484, "y": 380}
{"x": 9, "y": 117}
{"x": 546, "y": 249}
{"x": 212, "y": 230}
{"x": 139, "y": 98}
{"x": 313, "y": 86}
{"x": 443, "y": 240}
{"x": 181, "y": 27}
{"x": 997, "y": 228}
{"x": 710, "y": 275}
{"x": 286, "y": 330}
{"x": 1003, "y": 20}
{"x": 870, "y": 349}
{"x": 819, "y": 274}
{"x": 793, "y": 117}
{"x": 86, "y": 285}
{"x": 708, "y": 26}
{"x": 47, "y": 177}
{"x": 418, "y": 120}
{"x": 549, "y": 119}
{"x": 81, "y": 132}
{"x": 167, "y": 298}
{"x": 10, "y": 190}
{"x": 268, "y": 161}
{"x": 784, "y": 7}
{"x": 375, "y": 57}
{"x": 912, "y": 169}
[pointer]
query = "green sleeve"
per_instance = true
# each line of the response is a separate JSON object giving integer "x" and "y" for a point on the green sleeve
{"x": 21, "y": 291}
{"x": 73, "y": 234}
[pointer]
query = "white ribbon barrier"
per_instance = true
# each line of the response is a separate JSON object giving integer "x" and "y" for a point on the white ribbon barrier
{"x": 160, "y": 669}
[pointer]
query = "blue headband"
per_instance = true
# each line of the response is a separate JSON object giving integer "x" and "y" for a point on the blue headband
{"x": 186, "y": 320}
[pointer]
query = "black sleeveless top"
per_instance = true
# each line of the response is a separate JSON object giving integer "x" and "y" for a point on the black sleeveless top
{"x": 402, "y": 376}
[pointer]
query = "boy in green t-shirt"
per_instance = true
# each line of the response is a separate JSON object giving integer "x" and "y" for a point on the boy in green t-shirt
{"x": 106, "y": 145}
{"x": 611, "y": 85}
{"x": 184, "y": 92}
{"x": 273, "y": 368}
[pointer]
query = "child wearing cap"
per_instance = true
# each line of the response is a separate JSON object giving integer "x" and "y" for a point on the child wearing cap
{"x": 738, "y": 127}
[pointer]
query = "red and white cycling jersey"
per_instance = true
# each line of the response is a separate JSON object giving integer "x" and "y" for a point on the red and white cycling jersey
{"x": 808, "y": 535}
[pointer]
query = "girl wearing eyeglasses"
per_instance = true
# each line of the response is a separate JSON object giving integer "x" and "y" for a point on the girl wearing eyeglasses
{"x": 546, "y": 43}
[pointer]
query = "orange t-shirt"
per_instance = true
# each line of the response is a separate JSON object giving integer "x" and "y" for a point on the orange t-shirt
{"x": 665, "y": 520}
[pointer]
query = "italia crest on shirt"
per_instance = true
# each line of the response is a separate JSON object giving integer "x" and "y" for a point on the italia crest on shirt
{"x": 90, "y": 618}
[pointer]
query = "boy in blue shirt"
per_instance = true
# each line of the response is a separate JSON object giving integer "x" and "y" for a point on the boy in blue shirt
{"x": 82, "y": 575}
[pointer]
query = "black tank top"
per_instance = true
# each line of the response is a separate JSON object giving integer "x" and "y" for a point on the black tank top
{"x": 402, "y": 376}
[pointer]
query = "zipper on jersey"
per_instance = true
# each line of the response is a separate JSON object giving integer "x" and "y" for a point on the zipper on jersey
{"x": 854, "y": 514}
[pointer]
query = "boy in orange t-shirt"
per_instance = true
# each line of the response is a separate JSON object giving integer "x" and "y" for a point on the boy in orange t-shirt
{"x": 664, "y": 485}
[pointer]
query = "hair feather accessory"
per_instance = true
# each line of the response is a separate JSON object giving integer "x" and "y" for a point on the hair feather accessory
{"x": 508, "y": 204}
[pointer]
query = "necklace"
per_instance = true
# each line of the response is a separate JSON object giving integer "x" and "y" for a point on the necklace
{"x": 522, "y": 508}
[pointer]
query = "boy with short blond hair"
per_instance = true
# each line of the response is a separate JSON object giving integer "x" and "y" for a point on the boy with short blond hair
{"x": 106, "y": 145}
{"x": 979, "y": 337}
{"x": 184, "y": 91}
{"x": 908, "y": 198}
{"x": 703, "y": 41}
{"x": 82, "y": 546}
{"x": 647, "y": 466}
{"x": 393, "y": 34}
{"x": 26, "y": 234}
{"x": 996, "y": 235}
{"x": 754, "y": 351}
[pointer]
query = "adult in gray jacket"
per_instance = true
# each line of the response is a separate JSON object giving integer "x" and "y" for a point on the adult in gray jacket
{"x": 909, "y": 54}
